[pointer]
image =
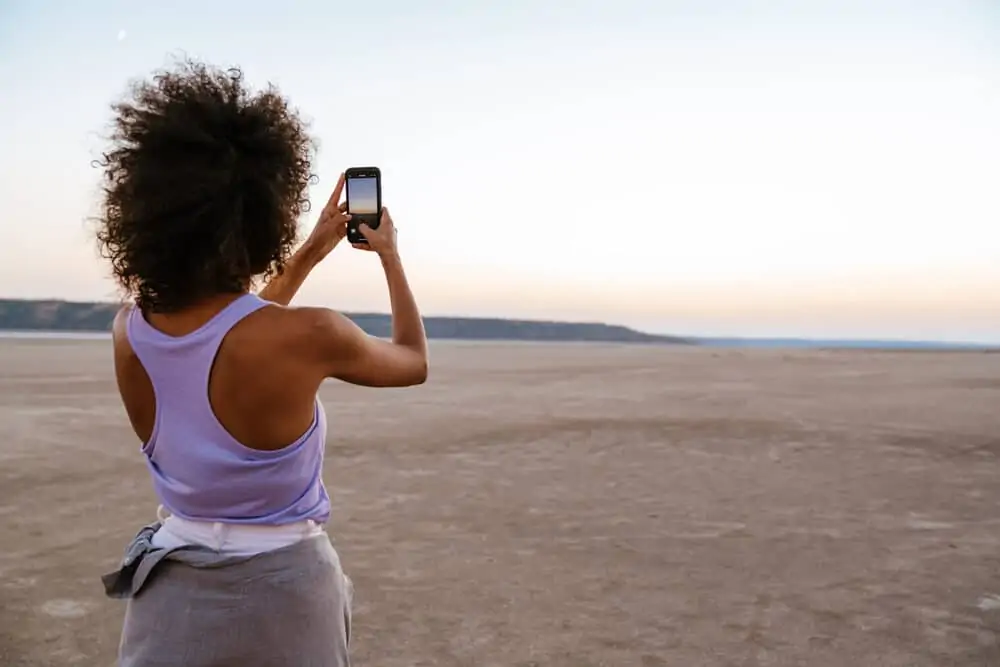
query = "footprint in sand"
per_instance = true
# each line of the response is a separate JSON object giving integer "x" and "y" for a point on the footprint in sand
{"x": 65, "y": 608}
{"x": 989, "y": 603}
{"x": 20, "y": 582}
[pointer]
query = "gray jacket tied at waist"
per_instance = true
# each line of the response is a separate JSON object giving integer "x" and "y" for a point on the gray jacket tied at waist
{"x": 195, "y": 607}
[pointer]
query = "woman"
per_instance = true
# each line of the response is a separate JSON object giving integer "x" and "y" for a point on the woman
{"x": 204, "y": 184}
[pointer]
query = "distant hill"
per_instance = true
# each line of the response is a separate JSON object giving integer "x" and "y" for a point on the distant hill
{"x": 840, "y": 343}
{"x": 33, "y": 315}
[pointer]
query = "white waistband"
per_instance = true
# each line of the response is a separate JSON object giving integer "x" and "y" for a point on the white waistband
{"x": 230, "y": 538}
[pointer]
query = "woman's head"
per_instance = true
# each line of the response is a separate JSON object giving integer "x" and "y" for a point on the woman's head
{"x": 203, "y": 186}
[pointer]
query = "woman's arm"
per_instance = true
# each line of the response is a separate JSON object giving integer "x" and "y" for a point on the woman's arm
{"x": 283, "y": 287}
{"x": 330, "y": 229}
{"x": 342, "y": 350}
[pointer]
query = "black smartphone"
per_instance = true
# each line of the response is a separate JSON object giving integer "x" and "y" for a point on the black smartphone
{"x": 364, "y": 200}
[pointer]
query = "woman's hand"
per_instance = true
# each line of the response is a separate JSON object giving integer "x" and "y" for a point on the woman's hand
{"x": 381, "y": 240}
{"x": 331, "y": 228}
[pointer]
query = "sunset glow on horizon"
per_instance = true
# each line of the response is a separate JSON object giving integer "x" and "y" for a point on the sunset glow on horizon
{"x": 826, "y": 169}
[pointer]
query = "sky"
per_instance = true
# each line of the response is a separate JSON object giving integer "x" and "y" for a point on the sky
{"x": 716, "y": 167}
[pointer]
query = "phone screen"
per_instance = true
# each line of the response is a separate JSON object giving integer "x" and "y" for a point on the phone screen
{"x": 362, "y": 196}
{"x": 364, "y": 201}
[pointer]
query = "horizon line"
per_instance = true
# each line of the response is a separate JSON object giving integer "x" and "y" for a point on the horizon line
{"x": 859, "y": 341}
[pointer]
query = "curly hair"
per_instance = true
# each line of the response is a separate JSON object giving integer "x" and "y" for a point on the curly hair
{"x": 203, "y": 186}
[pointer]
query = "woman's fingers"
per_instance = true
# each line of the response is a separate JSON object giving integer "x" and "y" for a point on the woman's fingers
{"x": 333, "y": 203}
{"x": 337, "y": 190}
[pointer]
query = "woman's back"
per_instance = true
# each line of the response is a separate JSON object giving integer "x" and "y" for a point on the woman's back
{"x": 201, "y": 468}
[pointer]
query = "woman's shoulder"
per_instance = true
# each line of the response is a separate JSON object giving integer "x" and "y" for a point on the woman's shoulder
{"x": 121, "y": 317}
{"x": 295, "y": 331}
{"x": 274, "y": 347}
{"x": 119, "y": 326}
{"x": 319, "y": 338}
{"x": 303, "y": 324}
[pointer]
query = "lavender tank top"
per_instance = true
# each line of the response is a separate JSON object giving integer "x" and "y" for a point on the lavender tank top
{"x": 200, "y": 471}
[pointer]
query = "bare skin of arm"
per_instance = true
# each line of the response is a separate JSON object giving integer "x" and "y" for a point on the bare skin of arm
{"x": 330, "y": 230}
{"x": 344, "y": 351}
{"x": 282, "y": 288}
{"x": 332, "y": 344}
{"x": 134, "y": 384}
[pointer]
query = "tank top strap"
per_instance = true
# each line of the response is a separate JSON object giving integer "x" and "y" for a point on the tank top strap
{"x": 180, "y": 365}
{"x": 231, "y": 315}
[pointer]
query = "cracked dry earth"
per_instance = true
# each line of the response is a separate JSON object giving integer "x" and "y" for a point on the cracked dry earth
{"x": 574, "y": 505}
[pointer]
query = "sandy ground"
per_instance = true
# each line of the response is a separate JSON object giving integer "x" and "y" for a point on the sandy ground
{"x": 574, "y": 505}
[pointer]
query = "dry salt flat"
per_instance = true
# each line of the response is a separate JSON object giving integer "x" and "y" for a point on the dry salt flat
{"x": 574, "y": 505}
